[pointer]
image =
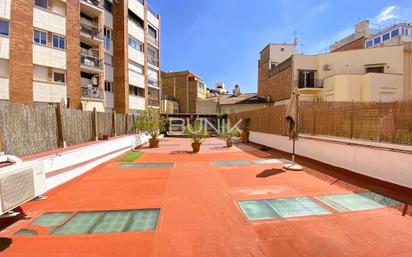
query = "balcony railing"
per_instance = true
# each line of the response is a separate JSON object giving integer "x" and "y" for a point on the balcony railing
{"x": 96, "y": 3}
{"x": 152, "y": 60}
{"x": 92, "y": 92}
{"x": 311, "y": 83}
{"x": 90, "y": 28}
{"x": 153, "y": 40}
{"x": 90, "y": 60}
{"x": 153, "y": 83}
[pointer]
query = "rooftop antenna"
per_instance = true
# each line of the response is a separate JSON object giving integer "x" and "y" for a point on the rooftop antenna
{"x": 301, "y": 47}
{"x": 295, "y": 38}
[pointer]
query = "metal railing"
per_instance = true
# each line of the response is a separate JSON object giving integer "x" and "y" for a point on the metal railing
{"x": 90, "y": 61}
{"x": 90, "y": 52}
{"x": 311, "y": 83}
{"x": 154, "y": 102}
{"x": 90, "y": 28}
{"x": 153, "y": 40}
{"x": 92, "y": 92}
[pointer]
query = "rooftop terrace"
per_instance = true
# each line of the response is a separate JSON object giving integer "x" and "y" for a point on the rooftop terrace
{"x": 221, "y": 202}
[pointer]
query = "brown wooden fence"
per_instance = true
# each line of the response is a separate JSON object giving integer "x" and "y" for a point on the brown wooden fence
{"x": 28, "y": 129}
{"x": 382, "y": 122}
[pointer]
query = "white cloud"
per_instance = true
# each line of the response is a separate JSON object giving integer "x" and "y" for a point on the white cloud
{"x": 386, "y": 14}
{"x": 318, "y": 9}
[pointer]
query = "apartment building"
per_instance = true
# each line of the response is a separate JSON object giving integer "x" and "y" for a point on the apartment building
{"x": 132, "y": 56}
{"x": 271, "y": 56}
{"x": 185, "y": 87}
{"x": 89, "y": 54}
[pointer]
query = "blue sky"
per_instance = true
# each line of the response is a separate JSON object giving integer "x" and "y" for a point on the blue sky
{"x": 220, "y": 40}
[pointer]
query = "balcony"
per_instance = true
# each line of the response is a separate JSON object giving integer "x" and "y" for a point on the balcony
{"x": 152, "y": 40}
{"x": 154, "y": 103}
{"x": 89, "y": 59}
{"x": 311, "y": 83}
{"x": 90, "y": 32}
{"x": 153, "y": 61}
{"x": 94, "y": 93}
{"x": 91, "y": 8}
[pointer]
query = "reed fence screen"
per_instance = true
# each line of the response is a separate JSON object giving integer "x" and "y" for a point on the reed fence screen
{"x": 373, "y": 121}
{"x": 29, "y": 129}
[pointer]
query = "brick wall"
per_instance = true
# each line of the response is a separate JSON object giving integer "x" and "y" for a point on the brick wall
{"x": 73, "y": 53}
{"x": 263, "y": 79}
{"x": 120, "y": 57}
{"x": 21, "y": 52}
{"x": 357, "y": 44}
{"x": 280, "y": 85}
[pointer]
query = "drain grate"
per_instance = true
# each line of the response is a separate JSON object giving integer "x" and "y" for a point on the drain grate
{"x": 144, "y": 165}
{"x": 109, "y": 222}
{"x": 357, "y": 201}
{"x": 281, "y": 208}
{"x": 51, "y": 219}
{"x": 26, "y": 232}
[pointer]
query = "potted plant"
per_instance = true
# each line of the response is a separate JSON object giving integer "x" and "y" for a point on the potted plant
{"x": 150, "y": 122}
{"x": 228, "y": 134}
{"x": 197, "y": 133}
{"x": 246, "y": 129}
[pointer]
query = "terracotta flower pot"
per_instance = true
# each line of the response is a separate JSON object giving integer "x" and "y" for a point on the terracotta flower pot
{"x": 104, "y": 137}
{"x": 196, "y": 147}
{"x": 244, "y": 137}
{"x": 229, "y": 143}
{"x": 153, "y": 143}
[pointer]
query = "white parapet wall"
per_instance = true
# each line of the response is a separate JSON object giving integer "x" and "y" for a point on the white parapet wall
{"x": 387, "y": 162}
{"x": 66, "y": 165}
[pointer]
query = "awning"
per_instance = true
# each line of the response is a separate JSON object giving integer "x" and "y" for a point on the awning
{"x": 90, "y": 105}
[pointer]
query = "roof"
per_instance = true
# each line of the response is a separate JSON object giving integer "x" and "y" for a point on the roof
{"x": 248, "y": 98}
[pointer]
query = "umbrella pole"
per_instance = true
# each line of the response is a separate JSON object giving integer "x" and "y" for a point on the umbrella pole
{"x": 293, "y": 152}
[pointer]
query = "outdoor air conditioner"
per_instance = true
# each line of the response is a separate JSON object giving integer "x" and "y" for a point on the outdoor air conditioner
{"x": 327, "y": 67}
{"x": 20, "y": 183}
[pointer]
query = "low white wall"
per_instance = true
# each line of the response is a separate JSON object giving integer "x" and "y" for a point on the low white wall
{"x": 104, "y": 149}
{"x": 369, "y": 159}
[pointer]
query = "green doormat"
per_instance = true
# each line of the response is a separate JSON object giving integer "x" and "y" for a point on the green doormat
{"x": 132, "y": 156}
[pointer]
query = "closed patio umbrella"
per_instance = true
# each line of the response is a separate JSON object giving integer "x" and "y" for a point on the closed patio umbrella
{"x": 292, "y": 121}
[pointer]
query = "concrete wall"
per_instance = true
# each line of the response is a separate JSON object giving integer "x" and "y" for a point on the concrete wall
{"x": 364, "y": 158}
{"x": 136, "y": 55}
{"x": 47, "y": 56}
{"x": 135, "y": 31}
{"x": 137, "y": 8}
{"x": 49, "y": 21}
{"x": 206, "y": 107}
{"x": 136, "y": 79}
{"x": 48, "y": 92}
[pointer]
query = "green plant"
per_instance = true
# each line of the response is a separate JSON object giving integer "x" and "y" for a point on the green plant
{"x": 221, "y": 115}
{"x": 227, "y": 133}
{"x": 196, "y": 132}
{"x": 246, "y": 125}
{"x": 151, "y": 122}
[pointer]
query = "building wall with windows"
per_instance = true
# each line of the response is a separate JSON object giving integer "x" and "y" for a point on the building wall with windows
{"x": 184, "y": 86}
{"x": 131, "y": 65}
{"x": 64, "y": 50}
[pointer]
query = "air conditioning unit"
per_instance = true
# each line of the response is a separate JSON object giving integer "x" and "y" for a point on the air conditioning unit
{"x": 20, "y": 183}
{"x": 327, "y": 67}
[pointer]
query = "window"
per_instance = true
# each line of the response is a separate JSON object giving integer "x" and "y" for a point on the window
{"x": 40, "y": 37}
{"x": 4, "y": 28}
{"x": 108, "y": 6}
{"x": 41, "y": 3}
{"x": 377, "y": 40}
{"x": 107, "y": 37}
{"x": 369, "y": 43}
{"x": 282, "y": 49}
{"x": 395, "y": 33}
{"x": 135, "y": 44}
{"x": 59, "y": 77}
{"x": 152, "y": 32}
{"x": 108, "y": 59}
{"x": 385, "y": 36}
{"x": 135, "y": 19}
{"x": 152, "y": 57}
{"x": 379, "y": 69}
{"x": 108, "y": 86}
{"x": 58, "y": 42}
{"x": 137, "y": 91}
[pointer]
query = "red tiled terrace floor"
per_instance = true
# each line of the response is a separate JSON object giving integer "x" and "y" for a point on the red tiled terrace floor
{"x": 199, "y": 212}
